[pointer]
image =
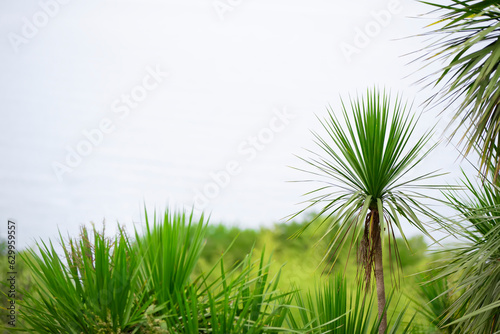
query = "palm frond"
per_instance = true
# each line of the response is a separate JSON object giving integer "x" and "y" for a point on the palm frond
{"x": 468, "y": 43}
{"x": 475, "y": 263}
{"x": 335, "y": 307}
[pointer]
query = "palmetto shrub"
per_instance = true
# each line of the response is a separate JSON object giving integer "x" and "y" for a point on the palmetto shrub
{"x": 93, "y": 287}
{"x": 146, "y": 285}
{"x": 335, "y": 307}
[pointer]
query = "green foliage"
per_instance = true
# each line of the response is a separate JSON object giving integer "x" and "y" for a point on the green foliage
{"x": 93, "y": 287}
{"x": 220, "y": 237}
{"x": 366, "y": 187}
{"x": 434, "y": 299}
{"x": 468, "y": 43}
{"x": 117, "y": 285}
{"x": 169, "y": 250}
{"x": 333, "y": 308}
{"x": 303, "y": 254}
{"x": 474, "y": 265}
{"x": 151, "y": 284}
{"x": 364, "y": 168}
{"x": 242, "y": 300}
{"x": 181, "y": 275}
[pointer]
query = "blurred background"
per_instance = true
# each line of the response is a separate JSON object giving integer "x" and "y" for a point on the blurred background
{"x": 110, "y": 106}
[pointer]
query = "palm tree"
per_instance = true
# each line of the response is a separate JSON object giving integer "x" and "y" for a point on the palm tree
{"x": 468, "y": 43}
{"x": 366, "y": 185}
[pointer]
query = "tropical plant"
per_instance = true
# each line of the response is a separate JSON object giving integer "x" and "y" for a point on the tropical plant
{"x": 169, "y": 248}
{"x": 468, "y": 43}
{"x": 334, "y": 308}
{"x": 365, "y": 181}
{"x": 241, "y": 300}
{"x": 147, "y": 285}
{"x": 474, "y": 265}
{"x": 94, "y": 287}
{"x": 244, "y": 299}
{"x": 433, "y": 301}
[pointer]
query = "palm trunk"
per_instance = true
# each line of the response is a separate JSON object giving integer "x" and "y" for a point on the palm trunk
{"x": 370, "y": 255}
{"x": 379, "y": 273}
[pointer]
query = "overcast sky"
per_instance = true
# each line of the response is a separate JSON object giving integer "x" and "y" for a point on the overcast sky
{"x": 110, "y": 105}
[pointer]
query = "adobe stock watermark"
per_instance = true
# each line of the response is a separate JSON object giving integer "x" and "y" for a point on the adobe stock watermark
{"x": 31, "y": 27}
{"x": 222, "y": 7}
{"x": 364, "y": 36}
{"x": 438, "y": 132}
{"x": 247, "y": 151}
{"x": 120, "y": 108}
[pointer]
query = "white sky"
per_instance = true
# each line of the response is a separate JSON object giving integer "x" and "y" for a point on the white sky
{"x": 228, "y": 74}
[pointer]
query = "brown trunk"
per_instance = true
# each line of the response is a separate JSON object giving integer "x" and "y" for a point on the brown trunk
{"x": 379, "y": 272}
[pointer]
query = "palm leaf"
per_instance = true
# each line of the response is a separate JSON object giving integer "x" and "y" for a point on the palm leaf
{"x": 474, "y": 264}
{"x": 468, "y": 43}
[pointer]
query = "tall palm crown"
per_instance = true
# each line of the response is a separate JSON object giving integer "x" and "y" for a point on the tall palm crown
{"x": 366, "y": 189}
